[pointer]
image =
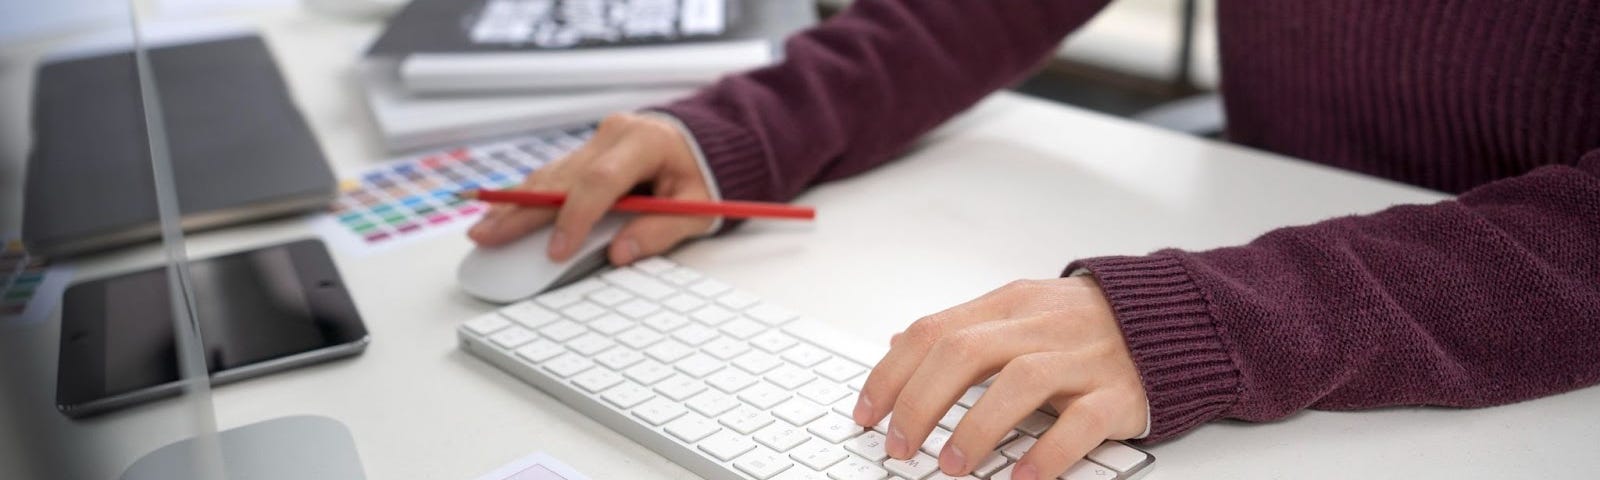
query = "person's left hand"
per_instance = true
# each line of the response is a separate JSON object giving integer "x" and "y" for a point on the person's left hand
{"x": 1044, "y": 341}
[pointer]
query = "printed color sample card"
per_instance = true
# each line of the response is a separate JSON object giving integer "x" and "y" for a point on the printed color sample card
{"x": 538, "y": 466}
{"x": 29, "y": 287}
{"x": 414, "y": 196}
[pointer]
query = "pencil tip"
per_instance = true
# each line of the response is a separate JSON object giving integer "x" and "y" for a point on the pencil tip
{"x": 467, "y": 194}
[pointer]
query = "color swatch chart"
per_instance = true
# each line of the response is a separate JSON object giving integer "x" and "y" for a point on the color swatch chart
{"x": 29, "y": 286}
{"x": 414, "y": 196}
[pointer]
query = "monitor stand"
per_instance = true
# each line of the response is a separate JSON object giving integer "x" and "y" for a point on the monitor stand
{"x": 298, "y": 447}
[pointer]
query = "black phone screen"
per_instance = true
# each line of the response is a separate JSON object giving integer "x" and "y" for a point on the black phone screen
{"x": 252, "y": 307}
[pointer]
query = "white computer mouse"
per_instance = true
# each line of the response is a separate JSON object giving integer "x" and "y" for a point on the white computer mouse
{"x": 520, "y": 269}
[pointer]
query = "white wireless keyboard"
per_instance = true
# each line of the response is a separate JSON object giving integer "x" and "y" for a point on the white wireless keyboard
{"x": 724, "y": 384}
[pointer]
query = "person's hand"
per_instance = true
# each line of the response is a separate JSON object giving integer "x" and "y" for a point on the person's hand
{"x": 626, "y": 151}
{"x": 1050, "y": 342}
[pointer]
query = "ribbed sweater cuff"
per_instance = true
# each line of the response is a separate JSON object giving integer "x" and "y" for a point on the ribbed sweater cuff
{"x": 734, "y": 155}
{"x": 1189, "y": 377}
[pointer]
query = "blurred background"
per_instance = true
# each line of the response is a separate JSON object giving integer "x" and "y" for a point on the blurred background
{"x": 339, "y": 86}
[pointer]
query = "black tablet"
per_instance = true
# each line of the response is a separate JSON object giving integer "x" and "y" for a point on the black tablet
{"x": 259, "y": 312}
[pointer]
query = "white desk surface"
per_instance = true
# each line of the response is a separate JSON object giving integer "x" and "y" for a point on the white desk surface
{"x": 1014, "y": 189}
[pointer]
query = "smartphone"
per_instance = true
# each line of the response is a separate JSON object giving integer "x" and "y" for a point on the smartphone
{"x": 260, "y": 311}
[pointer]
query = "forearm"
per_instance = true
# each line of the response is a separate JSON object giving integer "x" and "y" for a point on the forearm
{"x": 857, "y": 89}
{"x": 1488, "y": 299}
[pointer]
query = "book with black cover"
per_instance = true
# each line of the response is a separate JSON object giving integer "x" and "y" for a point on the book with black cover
{"x": 240, "y": 150}
{"x": 432, "y": 42}
{"x": 444, "y": 26}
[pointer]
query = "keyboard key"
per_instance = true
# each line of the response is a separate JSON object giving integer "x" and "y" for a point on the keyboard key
{"x": 648, "y": 372}
{"x": 797, "y": 411}
{"x": 730, "y": 380}
{"x": 952, "y": 417}
{"x": 762, "y": 463}
{"x": 858, "y": 383}
{"x": 839, "y": 370}
{"x": 970, "y": 398}
{"x": 712, "y": 404}
{"x": 597, "y": 379}
{"x": 568, "y": 364}
{"x": 583, "y": 311}
{"x": 610, "y": 324}
{"x": 993, "y": 463}
{"x": 655, "y": 265}
{"x": 1116, "y": 455}
{"x": 590, "y": 344}
{"x": 883, "y": 425}
{"x": 562, "y": 330}
{"x": 771, "y": 314}
{"x": 918, "y": 466}
{"x": 669, "y": 351}
{"x": 1016, "y": 448}
{"x": 725, "y": 348}
{"x": 756, "y": 362}
{"x": 680, "y": 387}
{"x": 869, "y": 445}
{"x": 558, "y": 299}
{"x": 512, "y": 337}
{"x": 805, "y": 355}
{"x": 736, "y": 300}
{"x": 681, "y": 276}
{"x": 1087, "y": 470}
{"x": 834, "y": 428}
{"x": 745, "y": 420}
{"x": 742, "y": 328}
{"x": 619, "y": 358}
{"x": 790, "y": 377}
{"x": 638, "y": 283}
{"x": 726, "y": 445}
{"x": 934, "y": 443}
{"x": 818, "y": 455}
{"x": 487, "y": 323}
{"x": 627, "y": 395}
{"x": 609, "y": 296}
{"x": 692, "y": 428}
{"x": 846, "y": 407}
{"x": 540, "y": 350}
{"x": 856, "y": 468}
{"x": 773, "y": 341}
{"x": 684, "y": 303}
{"x": 824, "y": 392}
{"x": 637, "y": 309}
{"x": 639, "y": 337}
{"x": 665, "y": 321}
{"x": 699, "y": 365}
{"x": 713, "y": 315}
{"x": 582, "y": 287}
{"x": 709, "y": 288}
{"x": 657, "y": 411}
{"x": 764, "y": 395}
{"x": 781, "y": 437}
{"x": 695, "y": 334}
{"x": 529, "y": 314}
{"x": 1036, "y": 423}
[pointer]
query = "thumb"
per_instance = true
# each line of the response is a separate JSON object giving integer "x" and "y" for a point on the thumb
{"x": 651, "y": 235}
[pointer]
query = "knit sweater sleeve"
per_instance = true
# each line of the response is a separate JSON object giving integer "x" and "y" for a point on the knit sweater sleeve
{"x": 1487, "y": 299}
{"x": 858, "y": 88}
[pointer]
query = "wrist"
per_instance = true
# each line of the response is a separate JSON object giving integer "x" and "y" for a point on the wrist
{"x": 686, "y": 136}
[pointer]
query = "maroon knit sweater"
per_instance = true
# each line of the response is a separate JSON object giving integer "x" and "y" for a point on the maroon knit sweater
{"x": 1491, "y": 298}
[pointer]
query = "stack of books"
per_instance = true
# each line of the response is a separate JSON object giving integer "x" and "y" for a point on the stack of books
{"x": 446, "y": 71}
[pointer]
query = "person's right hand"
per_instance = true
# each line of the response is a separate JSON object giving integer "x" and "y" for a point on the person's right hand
{"x": 626, "y": 151}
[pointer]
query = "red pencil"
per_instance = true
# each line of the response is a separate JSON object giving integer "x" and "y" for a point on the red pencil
{"x": 645, "y": 204}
